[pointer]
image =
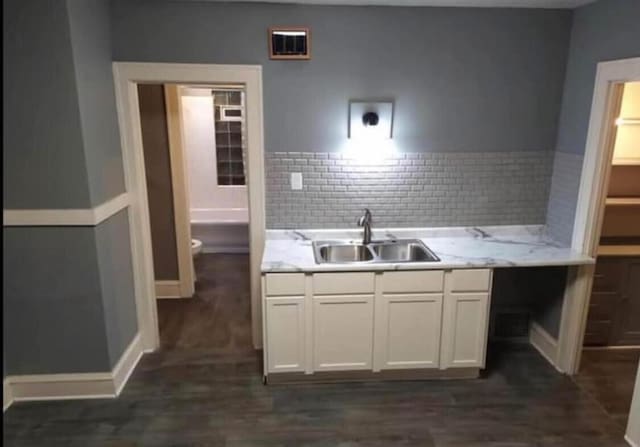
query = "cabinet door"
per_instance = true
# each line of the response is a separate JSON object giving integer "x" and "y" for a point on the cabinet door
{"x": 410, "y": 327}
{"x": 285, "y": 334}
{"x": 627, "y": 323}
{"x": 464, "y": 330}
{"x": 342, "y": 332}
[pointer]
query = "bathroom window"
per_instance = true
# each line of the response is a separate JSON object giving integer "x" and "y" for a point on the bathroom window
{"x": 230, "y": 136}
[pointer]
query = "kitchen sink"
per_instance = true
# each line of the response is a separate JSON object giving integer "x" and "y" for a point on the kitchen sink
{"x": 339, "y": 253}
{"x": 403, "y": 251}
{"x": 400, "y": 250}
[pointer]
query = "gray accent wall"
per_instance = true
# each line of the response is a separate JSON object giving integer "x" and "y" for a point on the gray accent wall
{"x": 68, "y": 299}
{"x": 463, "y": 79}
{"x": 44, "y": 164}
{"x": 91, "y": 44}
{"x": 68, "y": 294}
{"x": 53, "y": 317}
{"x": 602, "y": 31}
{"x": 116, "y": 278}
{"x": 408, "y": 189}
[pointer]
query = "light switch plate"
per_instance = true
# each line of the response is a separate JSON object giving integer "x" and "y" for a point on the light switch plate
{"x": 296, "y": 180}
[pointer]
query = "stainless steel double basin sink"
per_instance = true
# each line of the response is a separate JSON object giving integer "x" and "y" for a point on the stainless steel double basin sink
{"x": 400, "y": 250}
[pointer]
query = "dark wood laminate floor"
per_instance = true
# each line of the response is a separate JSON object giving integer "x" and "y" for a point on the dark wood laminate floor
{"x": 609, "y": 376}
{"x": 210, "y": 393}
{"x": 218, "y": 318}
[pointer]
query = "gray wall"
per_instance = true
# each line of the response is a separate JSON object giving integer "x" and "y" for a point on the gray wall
{"x": 68, "y": 295}
{"x": 605, "y": 30}
{"x": 44, "y": 160}
{"x": 462, "y": 79}
{"x": 91, "y": 43}
{"x": 116, "y": 277}
{"x": 53, "y": 317}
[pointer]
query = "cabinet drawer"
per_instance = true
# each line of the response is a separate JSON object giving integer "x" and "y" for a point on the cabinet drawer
{"x": 413, "y": 282}
{"x": 342, "y": 283}
{"x": 283, "y": 284}
{"x": 470, "y": 280}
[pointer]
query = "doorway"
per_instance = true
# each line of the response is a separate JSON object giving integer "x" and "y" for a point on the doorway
{"x": 194, "y": 143}
{"x": 127, "y": 76}
{"x": 593, "y": 195}
{"x": 611, "y": 350}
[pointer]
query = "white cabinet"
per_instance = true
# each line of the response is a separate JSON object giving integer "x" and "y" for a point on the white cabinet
{"x": 342, "y": 332}
{"x": 376, "y": 321}
{"x": 410, "y": 331}
{"x": 465, "y": 319}
{"x": 285, "y": 320}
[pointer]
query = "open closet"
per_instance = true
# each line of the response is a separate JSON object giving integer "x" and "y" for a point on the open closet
{"x": 614, "y": 314}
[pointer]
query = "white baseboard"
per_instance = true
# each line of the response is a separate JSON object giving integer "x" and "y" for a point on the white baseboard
{"x": 212, "y": 249}
{"x": 168, "y": 289}
{"x": 611, "y": 348}
{"x": 544, "y": 343}
{"x": 630, "y": 442}
{"x": 127, "y": 363}
{"x": 7, "y": 397}
{"x": 74, "y": 386}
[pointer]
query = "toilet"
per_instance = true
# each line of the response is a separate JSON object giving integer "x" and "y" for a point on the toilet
{"x": 196, "y": 247}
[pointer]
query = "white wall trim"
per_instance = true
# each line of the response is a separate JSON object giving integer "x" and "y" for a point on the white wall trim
{"x": 127, "y": 364}
{"x": 180, "y": 188}
{"x": 228, "y": 249}
{"x": 168, "y": 289}
{"x": 7, "y": 397}
{"x": 126, "y": 77}
{"x": 630, "y": 442}
{"x": 590, "y": 206}
{"x": 64, "y": 217}
{"x": 544, "y": 343}
{"x": 42, "y": 387}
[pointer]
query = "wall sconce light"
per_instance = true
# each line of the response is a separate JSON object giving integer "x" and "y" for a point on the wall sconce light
{"x": 370, "y": 120}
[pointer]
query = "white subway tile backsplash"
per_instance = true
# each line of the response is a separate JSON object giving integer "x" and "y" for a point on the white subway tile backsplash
{"x": 563, "y": 196}
{"x": 410, "y": 189}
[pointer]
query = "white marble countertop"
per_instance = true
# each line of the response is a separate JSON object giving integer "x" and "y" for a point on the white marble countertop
{"x": 497, "y": 246}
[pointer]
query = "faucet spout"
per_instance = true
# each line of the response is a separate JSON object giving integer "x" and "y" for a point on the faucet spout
{"x": 365, "y": 222}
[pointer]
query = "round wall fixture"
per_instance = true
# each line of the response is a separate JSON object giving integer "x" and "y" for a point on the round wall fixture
{"x": 370, "y": 119}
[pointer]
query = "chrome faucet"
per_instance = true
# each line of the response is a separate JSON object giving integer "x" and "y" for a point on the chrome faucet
{"x": 365, "y": 222}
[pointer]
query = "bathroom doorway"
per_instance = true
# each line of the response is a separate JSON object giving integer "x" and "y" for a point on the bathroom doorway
{"x": 127, "y": 77}
{"x": 195, "y": 150}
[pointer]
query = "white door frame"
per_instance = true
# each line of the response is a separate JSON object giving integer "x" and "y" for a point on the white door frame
{"x": 185, "y": 287}
{"x": 126, "y": 77}
{"x": 596, "y": 168}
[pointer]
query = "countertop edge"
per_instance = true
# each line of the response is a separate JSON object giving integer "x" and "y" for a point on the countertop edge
{"x": 322, "y": 268}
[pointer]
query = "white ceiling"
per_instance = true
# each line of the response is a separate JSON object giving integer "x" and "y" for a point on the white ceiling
{"x": 555, "y": 4}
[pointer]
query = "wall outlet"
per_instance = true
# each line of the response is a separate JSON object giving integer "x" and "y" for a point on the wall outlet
{"x": 296, "y": 180}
